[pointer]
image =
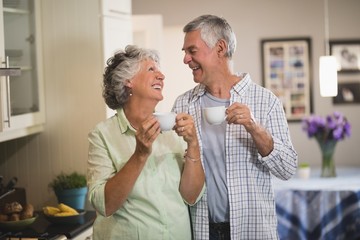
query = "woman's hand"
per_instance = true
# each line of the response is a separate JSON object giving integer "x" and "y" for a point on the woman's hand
{"x": 146, "y": 135}
{"x": 185, "y": 127}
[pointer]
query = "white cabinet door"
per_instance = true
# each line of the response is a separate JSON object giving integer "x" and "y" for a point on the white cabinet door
{"x": 116, "y": 7}
{"x": 116, "y": 28}
{"x": 117, "y": 34}
{"x": 22, "y": 97}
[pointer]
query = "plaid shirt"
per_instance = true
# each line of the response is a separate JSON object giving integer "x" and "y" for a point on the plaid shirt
{"x": 251, "y": 197}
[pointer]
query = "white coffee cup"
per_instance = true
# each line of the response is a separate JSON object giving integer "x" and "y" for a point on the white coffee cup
{"x": 166, "y": 120}
{"x": 214, "y": 115}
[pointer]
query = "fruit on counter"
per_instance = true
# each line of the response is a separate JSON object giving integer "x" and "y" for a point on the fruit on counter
{"x": 3, "y": 217}
{"x": 51, "y": 211}
{"x": 60, "y": 211}
{"x": 27, "y": 212}
{"x": 13, "y": 207}
{"x": 14, "y": 211}
{"x": 66, "y": 214}
{"x": 14, "y": 217}
{"x": 65, "y": 208}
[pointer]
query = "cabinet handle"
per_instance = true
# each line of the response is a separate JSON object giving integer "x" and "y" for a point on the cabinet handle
{"x": 119, "y": 12}
{"x": 8, "y": 106}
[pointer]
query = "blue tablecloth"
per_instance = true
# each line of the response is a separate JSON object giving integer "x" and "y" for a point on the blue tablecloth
{"x": 319, "y": 208}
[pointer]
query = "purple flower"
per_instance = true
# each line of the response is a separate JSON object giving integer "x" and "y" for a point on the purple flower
{"x": 347, "y": 128}
{"x": 331, "y": 122}
{"x": 338, "y": 133}
{"x": 333, "y": 127}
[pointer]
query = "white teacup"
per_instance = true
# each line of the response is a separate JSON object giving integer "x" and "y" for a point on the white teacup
{"x": 215, "y": 115}
{"x": 166, "y": 120}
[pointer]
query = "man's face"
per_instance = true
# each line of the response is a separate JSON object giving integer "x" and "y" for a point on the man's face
{"x": 200, "y": 58}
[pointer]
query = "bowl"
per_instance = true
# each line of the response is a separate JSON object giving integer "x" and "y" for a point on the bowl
{"x": 17, "y": 225}
{"x": 66, "y": 220}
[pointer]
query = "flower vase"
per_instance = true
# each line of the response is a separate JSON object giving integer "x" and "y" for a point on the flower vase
{"x": 328, "y": 168}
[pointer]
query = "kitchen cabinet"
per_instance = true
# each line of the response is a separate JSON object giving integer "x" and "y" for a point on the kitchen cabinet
{"x": 117, "y": 32}
{"x": 85, "y": 235}
{"x": 21, "y": 94}
{"x": 116, "y": 7}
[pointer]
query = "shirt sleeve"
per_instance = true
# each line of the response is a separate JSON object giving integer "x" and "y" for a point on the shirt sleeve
{"x": 99, "y": 169}
{"x": 282, "y": 161}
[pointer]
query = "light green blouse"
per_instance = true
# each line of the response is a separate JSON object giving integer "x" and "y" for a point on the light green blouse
{"x": 154, "y": 208}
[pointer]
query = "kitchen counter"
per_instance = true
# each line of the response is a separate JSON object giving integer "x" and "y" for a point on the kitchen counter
{"x": 43, "y": 229}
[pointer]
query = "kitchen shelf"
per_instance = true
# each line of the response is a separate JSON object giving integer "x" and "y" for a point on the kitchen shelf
{"x": 10, "y": 71}
{"x": 15, "y": 11}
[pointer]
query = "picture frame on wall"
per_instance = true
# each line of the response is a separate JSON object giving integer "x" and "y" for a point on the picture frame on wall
{"x": 347, "y": 54}
{"x": 286, "y": 72}
{"x": 348, "y": 93}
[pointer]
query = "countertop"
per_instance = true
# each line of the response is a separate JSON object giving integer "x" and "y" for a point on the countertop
{"x": 43, "y": 229}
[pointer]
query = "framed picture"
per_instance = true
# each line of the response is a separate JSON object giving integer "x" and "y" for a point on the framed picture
{"x": 347, "y": 53}
{"x": 348, "y": 93}
{"x": 287, "y": 73}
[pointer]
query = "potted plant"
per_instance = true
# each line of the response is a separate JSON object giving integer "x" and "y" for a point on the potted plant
{"x": 70, "y": 189}
{"x": 304, "y": 170}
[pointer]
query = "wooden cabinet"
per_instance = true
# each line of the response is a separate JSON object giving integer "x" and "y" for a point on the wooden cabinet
{"x": 21, "y": 95}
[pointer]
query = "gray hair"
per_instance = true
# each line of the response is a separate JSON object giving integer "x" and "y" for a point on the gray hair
{"x": 212, "y": 29}
{"x": 122, "y": 67}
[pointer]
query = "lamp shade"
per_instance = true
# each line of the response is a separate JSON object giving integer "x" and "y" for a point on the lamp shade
{"x": 328, "y": 76}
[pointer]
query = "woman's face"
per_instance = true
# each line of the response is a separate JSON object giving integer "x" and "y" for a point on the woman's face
{"x": 148, "y": 83}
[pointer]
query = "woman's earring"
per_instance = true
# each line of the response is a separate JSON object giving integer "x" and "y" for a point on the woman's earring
{"x": 129, "y": 86}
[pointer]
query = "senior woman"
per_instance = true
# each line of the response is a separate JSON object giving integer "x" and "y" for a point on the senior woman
{"x": 140, "y": 179}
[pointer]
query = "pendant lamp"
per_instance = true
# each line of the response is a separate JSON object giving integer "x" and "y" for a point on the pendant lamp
{"x": 328, "y": 64}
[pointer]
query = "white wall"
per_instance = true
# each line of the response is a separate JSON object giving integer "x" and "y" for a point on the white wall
{"x": 253, "y": 20}
{"x": 178, "y": 75}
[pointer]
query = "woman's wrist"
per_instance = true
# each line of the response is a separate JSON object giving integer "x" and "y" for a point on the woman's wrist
{"x": 188, "y": 157}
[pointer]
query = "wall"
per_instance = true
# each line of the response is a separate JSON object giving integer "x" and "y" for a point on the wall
{"x": 73, "y": 60}
{"x": 253, "y": 20}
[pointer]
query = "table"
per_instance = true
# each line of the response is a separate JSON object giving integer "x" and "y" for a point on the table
{"x": 319, "y": 208}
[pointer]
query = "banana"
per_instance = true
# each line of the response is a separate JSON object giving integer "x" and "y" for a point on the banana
{"x": 62, "y": 210}
{"x": 65, "y": 214}
{"x": 51, "y": 211}
{"x": 66, "y": 208}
